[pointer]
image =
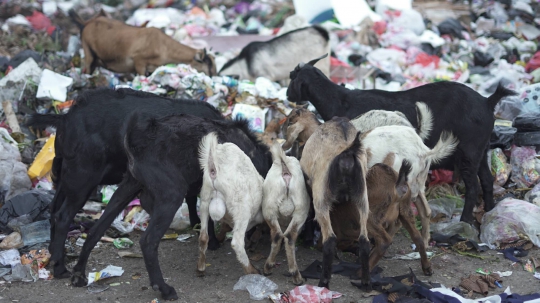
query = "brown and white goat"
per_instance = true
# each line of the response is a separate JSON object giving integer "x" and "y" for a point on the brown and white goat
{"x": 334, "y": 164}
{"x": 285, "y": 202}
{"x": 389, "y": 197}
{"x": 122, "y": 48}
{"x": 404, "y": 141}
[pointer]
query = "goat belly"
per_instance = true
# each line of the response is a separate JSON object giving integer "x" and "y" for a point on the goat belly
{"x": 217, "y": 208}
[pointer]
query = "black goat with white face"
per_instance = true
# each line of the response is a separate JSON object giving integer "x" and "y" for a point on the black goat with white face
{"x": 455, "y": 107}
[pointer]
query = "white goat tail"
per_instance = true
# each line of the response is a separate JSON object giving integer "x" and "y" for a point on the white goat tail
{"x": 425, "y": 120}
{"x": 445, "y": 147}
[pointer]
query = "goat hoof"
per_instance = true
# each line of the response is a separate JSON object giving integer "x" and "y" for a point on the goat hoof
{"x": 252, "y": 270}
{"x": 62, "y": 274}
{"x": 78, "y": 279}
{"x": 168, "y": 293}
{"x": 200, "y": 273}
{"x": 155, "y": 287}
{"x": 267, "y": 269}
{"x": 213, "y": 244}
{"x": 428, "y": 271}
{"x": 367, "y": 287}
{"x": 325, "y": 285}
{"x": 297, "y": 279}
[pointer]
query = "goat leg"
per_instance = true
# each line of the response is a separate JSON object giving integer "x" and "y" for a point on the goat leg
{"x": 407, "y": 219}
{"x": 424, "y": 211}
{"x": 276, "y": 237}
{"x": 191, "y": 201}
{"x": 238, "y": 243}
{"x": 329, "y": 245}
{"x": 486, "y": 181}
{"x": 203, "y": 235}
{"x": 469, "y": 174}
{"x": 382, "y": 241}
{"x": 291, "y": 234}
{"x": 165, "y": 207}
{"x": 55, "y": 204}
{"x": 74, "y": 200}
{"x": 363, "y": 241}
{"x": 126, "y": 192}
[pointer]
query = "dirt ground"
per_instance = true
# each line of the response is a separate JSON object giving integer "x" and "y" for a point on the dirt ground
{"x": 178, "y": 263}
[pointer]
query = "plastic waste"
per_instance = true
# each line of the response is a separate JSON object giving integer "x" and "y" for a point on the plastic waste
{"x": 523, "y": 163}
{"x": 34, "y": 203}
{"x": 10, "y": 257}
{"x": 53, "y": 86}
{"x": 4, "y": 271}
{"x": 411, "y": 256}
{"x": 533, "y": 196}
{"x": 306, "y": 293}
{"x": 482, "y": 59}
{"x": 500, "y": 168}
{"x": 411, "y": 20}
{"x": 254, "y": 114}
{"x": 14, "y": 240}
{"x": 502, "y": 136}
{"x": 508, "y": 220}
{"x": 14, "y": 179}
{"x": 442, "y": 208}
{"x": 527, "y": 139}
{"x": 181, "y": 218}
{"x": 107, "y": 191}
{"x": 37, "y": 232}
{"x": 22, "y": 273}
{"x": 43, "y": 162}
{"x": 527, "y": 122}
{"x": 462, "y": 228}
{"x": 122, "y": 243}
{"x": 107, "y": 272}
{"x": 452, "y": 27}
{"x": 258, "y": 286}
{"x": 36, "y": 257}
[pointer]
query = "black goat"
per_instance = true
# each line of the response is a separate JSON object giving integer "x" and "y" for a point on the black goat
{"x": 89, "y": 152}
{"x": 455, "y": 108}
{"x": 164, "y": 168}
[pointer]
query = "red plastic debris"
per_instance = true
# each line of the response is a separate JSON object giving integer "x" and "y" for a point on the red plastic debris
{"x": 534, "y": 63}
{"x": 379, "y": 27}
{"x": 40, "y": 22}
{"x": 439, "y": 176}
{"x": 425, "y": 59}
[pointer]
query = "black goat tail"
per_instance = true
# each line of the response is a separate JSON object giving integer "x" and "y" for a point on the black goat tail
{"x": 39, "y": 120}
{"x": 76, "y": 19}
{"x": 404, "y": 172}
{"x": 345, "y": 176}
{"x": 500, "y": 93}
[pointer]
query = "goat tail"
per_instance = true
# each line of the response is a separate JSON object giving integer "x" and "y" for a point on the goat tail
{"x": 345, "y": 176}
{"x": 39, "y": 120}
{"x": 277, "y": 152}
{"x": 207, "y": 152}
{"x": 425, "y": 120}
{"x": 76, "y": 19}
{"x": 500, "y": 93}
{"x": 444, "y": 148}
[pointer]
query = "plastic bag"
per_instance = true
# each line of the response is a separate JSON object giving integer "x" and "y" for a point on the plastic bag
{"x": 509, "y": 108}
{"x": 181, "y": 218}
{"x": 43, "y": 161}
{"x": 307, "y": 293}
{"x": 502, "y": 136}
{"x": 533, "y": 196}
{"x": 442, "y": 207}
{"x": 527, "y": 122}
{"x": 527, "y": 139}
{"x": 22, "y": 273}
{"x": 500, "y": 169}
{"x": 14, "y": 240}
{"x": 34, "y": 203}
{"x": 37, "y": 232}
{"x": 107, "y": 191}
{"x": 510, "y": 218}
{"x": 523, "y": 164}
{"x": 452, "y": 27}
{"x": 259, "y": 287}
{"x": 462, "y": 228}
{"x": 10, "y": 257}
{"x": 14, "y": 178}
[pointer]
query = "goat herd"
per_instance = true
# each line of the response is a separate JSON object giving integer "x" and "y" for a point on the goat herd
{"x": 166, "y": 150}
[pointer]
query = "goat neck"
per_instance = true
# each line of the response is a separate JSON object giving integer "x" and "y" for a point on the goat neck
{"x": 179, "y": 52}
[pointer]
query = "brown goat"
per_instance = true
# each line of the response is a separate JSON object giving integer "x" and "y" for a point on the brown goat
{"x": 301, "y": 124}
{"x": 389, "y": 197}
{"x": 123, "y": 48}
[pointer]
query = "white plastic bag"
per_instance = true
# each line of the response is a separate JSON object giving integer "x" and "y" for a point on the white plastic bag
{"x": 510, "y": 218}
{"x": 259, "y": 287}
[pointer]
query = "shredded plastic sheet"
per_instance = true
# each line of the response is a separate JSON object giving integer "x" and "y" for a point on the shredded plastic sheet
{"x": 306, "y": 294}
{"x": 508, "y": 220}
{"x": 259, "y": 287}
{"x": 108, "y": 272}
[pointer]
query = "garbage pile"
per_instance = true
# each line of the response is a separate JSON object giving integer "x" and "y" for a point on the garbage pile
{"x": 396, "y": 45}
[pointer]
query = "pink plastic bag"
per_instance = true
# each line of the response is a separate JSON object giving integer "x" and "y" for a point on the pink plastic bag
{"x": 308, "y": 294}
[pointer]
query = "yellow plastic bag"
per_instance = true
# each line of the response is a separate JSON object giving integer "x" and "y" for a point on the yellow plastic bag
{"x": 44, "y": 159}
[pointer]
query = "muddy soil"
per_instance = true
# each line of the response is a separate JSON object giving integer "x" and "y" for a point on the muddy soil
{"x": 178, "y": 263}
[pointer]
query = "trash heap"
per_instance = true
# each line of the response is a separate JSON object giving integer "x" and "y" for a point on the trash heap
{"x": 395, "y": 45}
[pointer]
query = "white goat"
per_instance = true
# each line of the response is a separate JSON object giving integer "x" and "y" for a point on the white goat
{"x": 285, "y": 201}
{"x": 378, "y": 117}
{"x": 406, "y": 144}
{"x": 231, "y": 193}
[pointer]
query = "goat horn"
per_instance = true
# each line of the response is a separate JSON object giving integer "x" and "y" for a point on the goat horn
{"x": 312, "y": 62}
{"x": 301, "y": 64}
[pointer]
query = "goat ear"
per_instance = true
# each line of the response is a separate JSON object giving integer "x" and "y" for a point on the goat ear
{"x": 199, "y": 56}
{"x": 204, "y": 53}
{"x": 314, "y": 61}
